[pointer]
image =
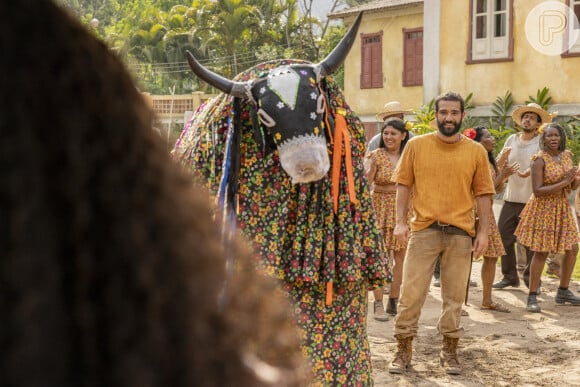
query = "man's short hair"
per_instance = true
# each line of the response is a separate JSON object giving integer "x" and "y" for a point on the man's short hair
{"x": 450, "y": 96}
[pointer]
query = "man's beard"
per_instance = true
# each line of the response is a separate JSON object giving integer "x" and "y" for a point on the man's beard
{"x": 528, "y": 130}
{"x": 449, "y": 132}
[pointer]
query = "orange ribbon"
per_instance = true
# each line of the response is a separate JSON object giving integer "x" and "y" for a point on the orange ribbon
{"x": 341, "y": 135}
{"x": 329, "y": 293}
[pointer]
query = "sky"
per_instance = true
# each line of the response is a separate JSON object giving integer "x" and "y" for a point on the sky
{"x": 321, "y": 8}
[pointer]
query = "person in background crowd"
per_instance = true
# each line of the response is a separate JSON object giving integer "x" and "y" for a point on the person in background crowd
{"x": 443, "y": 223}
{"x": 382, "y": 163}
{"x": 519, "y": 148}
{"x": 391, "y": 109}
{"x": 577, "y": 215}
{"x": 112, "y": 270}
{"x": 494, "y": 248}
{"x": 547, "y": 221}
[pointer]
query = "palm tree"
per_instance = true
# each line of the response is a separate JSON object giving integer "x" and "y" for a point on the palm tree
{"x": 146, "y": 43}
{"x": 232, "y": 25}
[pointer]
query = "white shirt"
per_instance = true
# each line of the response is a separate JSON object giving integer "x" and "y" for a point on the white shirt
{"x": 519, "y": 189}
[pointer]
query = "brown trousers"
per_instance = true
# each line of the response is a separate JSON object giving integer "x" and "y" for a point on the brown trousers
{"x": 424, "y": 248}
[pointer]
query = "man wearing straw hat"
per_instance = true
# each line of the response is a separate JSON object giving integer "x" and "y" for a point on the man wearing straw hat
{"x": 518, "y": 149}
{"x": 391, "y": 109}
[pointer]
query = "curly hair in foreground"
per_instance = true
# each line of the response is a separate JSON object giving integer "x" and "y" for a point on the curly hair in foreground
{"x": 111, "y": 267}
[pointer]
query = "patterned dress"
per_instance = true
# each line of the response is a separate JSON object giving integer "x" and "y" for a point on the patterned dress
{"x": 384, "y": 203}
{"x": 296, "y": 234}
{"x": 547, "y": 223}
{"x": 495, "y": 245}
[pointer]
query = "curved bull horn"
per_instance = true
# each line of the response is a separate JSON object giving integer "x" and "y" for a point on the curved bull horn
{"x": 237, "y": 89}
{"x": 337, "y": 56}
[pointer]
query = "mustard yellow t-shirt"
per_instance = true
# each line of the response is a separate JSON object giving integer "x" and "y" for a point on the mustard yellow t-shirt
{"x": 445, "y": 179}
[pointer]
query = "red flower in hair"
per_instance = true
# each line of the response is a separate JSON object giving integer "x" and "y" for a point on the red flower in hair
{"x": 470, "y": 133}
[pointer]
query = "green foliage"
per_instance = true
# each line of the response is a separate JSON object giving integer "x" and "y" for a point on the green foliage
{"x": 424, "y": 114}
{"x": 501, "y": 109}
{"x": 469, "y": 121}
{"x": 227, "y": 36}
{"x": 333, "y": 35}
{"x": 542, "y": 98}
{"x": 268, "y": 52}
{"x": 571, "y": 126}
{"x": 500, "y": 124}
{"x": 576, "y": 272}
{"x": 353, "y": 3}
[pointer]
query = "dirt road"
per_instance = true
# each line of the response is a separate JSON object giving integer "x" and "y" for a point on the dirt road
{"x": 498, "y": 349}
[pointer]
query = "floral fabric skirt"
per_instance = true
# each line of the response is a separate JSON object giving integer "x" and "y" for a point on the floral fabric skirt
{"x": 384, "y": 205}
{"x": 547, "y": 224}
{"x": 335, "y": 336}
{"x": 495, "y": 245}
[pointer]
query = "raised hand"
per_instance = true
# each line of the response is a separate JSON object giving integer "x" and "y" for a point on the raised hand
{"x": 510, "y": 169}
{"x": 525, "y": 173}
{"x": 503, "y": 156}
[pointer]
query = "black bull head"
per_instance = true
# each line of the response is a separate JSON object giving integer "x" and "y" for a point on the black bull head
{"x": 291, "y": 106}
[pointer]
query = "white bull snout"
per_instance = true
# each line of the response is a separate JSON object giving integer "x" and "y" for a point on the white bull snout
{"x": 304, "y": 158}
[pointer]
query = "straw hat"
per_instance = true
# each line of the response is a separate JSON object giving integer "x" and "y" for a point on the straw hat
{"x": 532, "y": 108}
{"x": 390, "y": 109}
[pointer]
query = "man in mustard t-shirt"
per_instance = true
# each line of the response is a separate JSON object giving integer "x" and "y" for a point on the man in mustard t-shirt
{"x": 446, "y": 172}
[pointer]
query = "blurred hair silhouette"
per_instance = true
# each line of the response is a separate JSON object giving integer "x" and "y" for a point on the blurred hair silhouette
{"x": 110, "y": 263}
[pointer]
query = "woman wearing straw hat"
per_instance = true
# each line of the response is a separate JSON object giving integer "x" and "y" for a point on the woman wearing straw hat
{"x": 520, "y": 147}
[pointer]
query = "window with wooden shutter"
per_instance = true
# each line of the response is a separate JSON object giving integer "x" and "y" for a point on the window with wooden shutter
{"x": 371, "y": 61}
{"x": 491, "y": 30}
{"x": 413, "y": 57}
{"x": 573, "y": 28}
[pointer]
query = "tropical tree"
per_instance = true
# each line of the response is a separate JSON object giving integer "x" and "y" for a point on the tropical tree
{"x": 500, "y": 124}
{"x": 228, "y": 36}
{"x": 233, "y": 22}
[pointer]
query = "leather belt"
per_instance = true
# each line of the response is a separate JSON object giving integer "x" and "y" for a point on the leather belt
{"x": 448, "y": 229}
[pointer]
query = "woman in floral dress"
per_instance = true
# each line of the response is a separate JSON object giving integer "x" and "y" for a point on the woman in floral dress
{"x": 495, "y": 246}
{"x": 381, "y": 164}
{"x": 547, "y": 222}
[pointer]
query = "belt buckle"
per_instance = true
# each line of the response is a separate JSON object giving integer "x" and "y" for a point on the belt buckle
{"x": 443, "y": 226}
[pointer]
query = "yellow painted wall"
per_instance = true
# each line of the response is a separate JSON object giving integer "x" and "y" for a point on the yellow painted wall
{"x": 528, "y": 72}
{"x": 367, "y": 102}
